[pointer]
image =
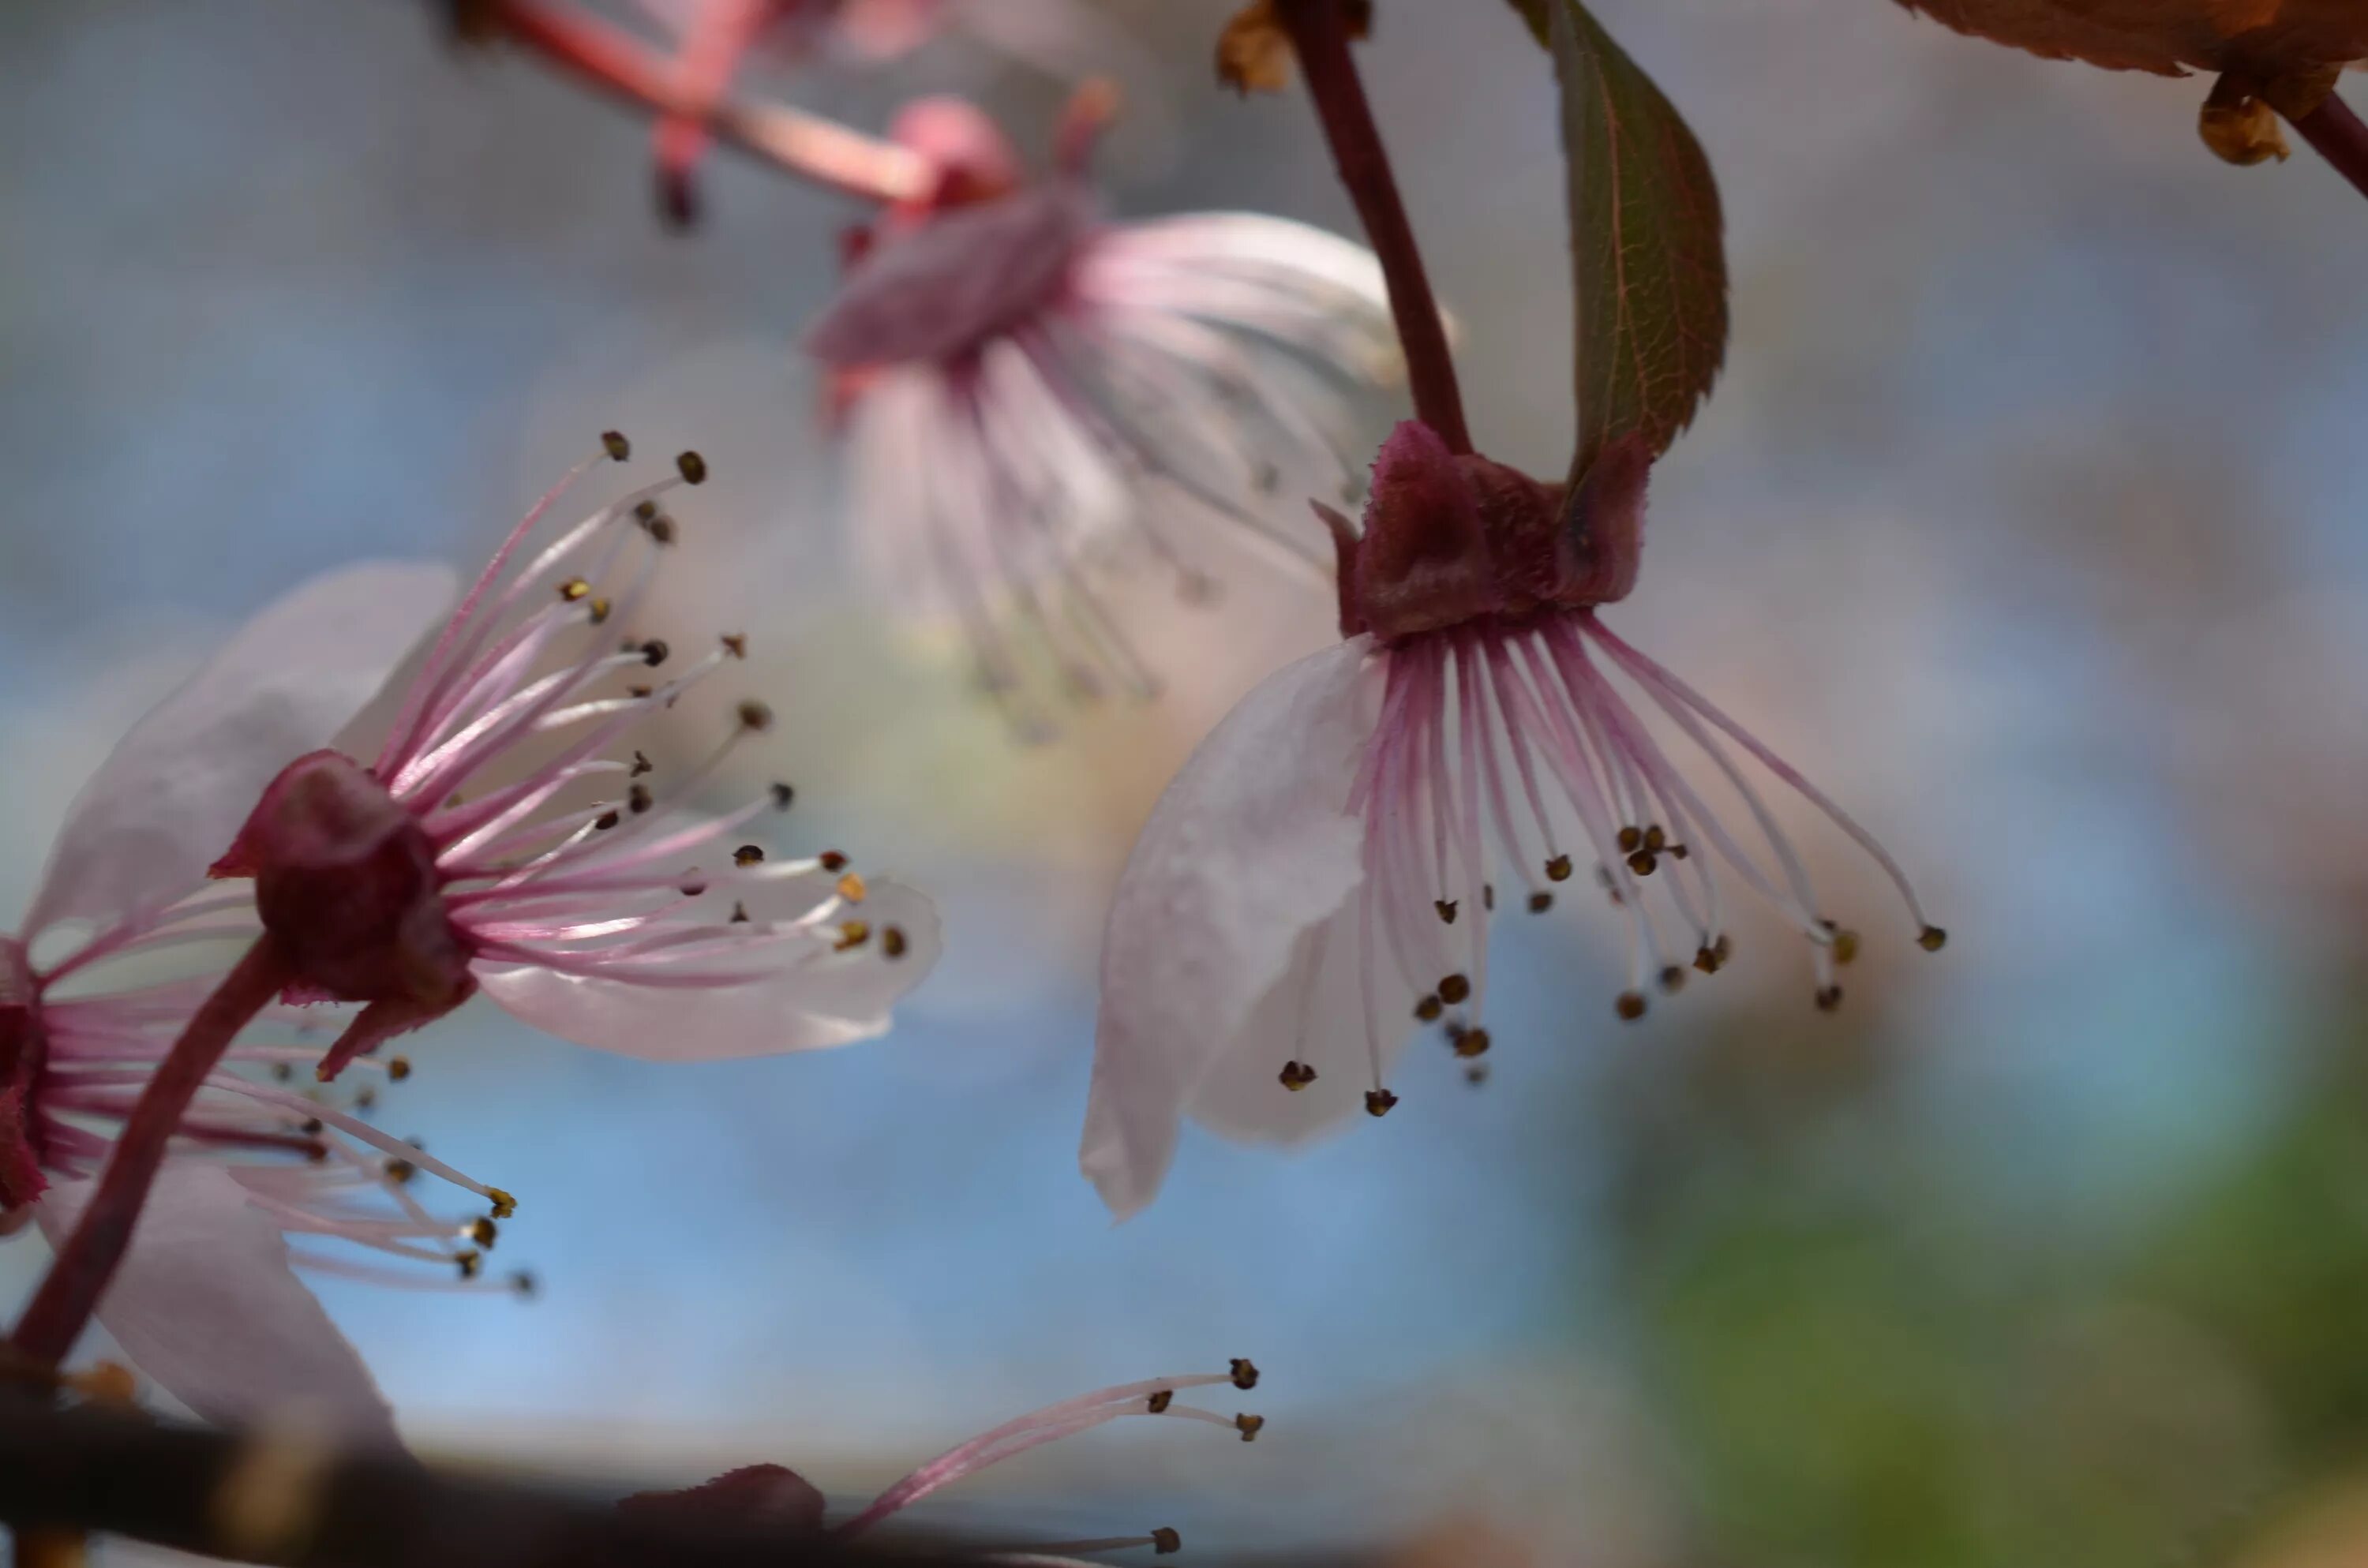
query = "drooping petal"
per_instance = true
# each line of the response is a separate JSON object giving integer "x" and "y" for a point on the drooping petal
{"x": 818, "y": 998}
{"x": 172, "y": 794}
{"x": 1250, "y": 851}
{"x": 206, "y": 1304}
{"x": 753, "y": 1494}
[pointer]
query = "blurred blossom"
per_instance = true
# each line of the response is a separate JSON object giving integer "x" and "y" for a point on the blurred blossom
{"x": 1031, "y": 391}
{"x": 777, "y": 1495}
{"x": 204, "y": 1300}
{"x": 1318, "y": 875}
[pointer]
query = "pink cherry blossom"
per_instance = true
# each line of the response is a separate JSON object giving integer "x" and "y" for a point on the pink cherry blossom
{"x": 771, "y": 1494}
{"x": 507, "y": 837}
{"x": 1321, "y": 876}
{"x": 1030, "y": 389}
{"x": 131, "y": 939}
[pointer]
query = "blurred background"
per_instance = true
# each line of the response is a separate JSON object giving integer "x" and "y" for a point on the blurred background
{"x": 2026, "y": 519}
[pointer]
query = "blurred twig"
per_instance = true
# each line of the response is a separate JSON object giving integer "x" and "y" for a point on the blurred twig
{"x": 2340, "y": 137}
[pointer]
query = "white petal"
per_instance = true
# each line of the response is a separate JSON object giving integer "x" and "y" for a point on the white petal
{"x": 205, "y": 1305}
{"x": 1249, "y": 852}
{"x": 826, "y": 999}
{"x": 171, "y": 796}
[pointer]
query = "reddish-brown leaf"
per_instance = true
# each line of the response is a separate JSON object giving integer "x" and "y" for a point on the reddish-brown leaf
{"x": 2267, "y": 39}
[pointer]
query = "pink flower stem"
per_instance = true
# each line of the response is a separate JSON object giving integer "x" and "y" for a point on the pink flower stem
{"x": 609, "y": 58}
{"x": 1319, "y": 33}
{"x": 79, "y": 1274}
{"x": 2340, "y": 138}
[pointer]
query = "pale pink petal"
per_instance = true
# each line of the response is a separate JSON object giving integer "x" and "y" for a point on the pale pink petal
{"x": 819, "y": 997}
{"x": 205, "y": 1305}
{"x": 1250, "y": 853}
{"x": 172, "y": 795}
{"x": 948, "y": 286}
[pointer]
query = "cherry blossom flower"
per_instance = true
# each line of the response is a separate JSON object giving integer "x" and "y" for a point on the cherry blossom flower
{"x": 1030, "y": 389}
{"x": 130, "y": 937}
{"x": 774, "y": 1494}
{"x": 1321, "y": 876}
{"x": 508, "y": 839}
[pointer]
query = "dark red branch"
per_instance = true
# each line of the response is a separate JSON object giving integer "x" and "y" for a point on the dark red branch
{"x": 78, "y": 1276}
{"x": 2340, "y": 138}
{"x": 1319, "y": 32}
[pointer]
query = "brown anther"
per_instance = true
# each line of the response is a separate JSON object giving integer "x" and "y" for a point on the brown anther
{"x": 645, "y": 512}
{"x": 692, "y": 467}
{"x": 1476, "y": 1074}
{"x": 1558, "y": 868}
{"x": 365, "y": 1097}
{"x": 524, "y": 1283}
{"x": 1378, "y": 1102}
{"x": 1471, "y": 1043}
{"x": 1654, "y": 839}
{"x": 1706, "y": 961}
{"x": 1427, "y": 1009}
{"x": 1245, "y": 1373}
{"x": 735, "y": 643}
{"x": 283, "y": 1071}
{"x": 1829, "y": 997}
{"x": 754, "y": 716}
{"x": 1446, "y": 907}
{"x": 312, "y": 1126}
{"x": 1249, "y": 1426}
{"x": 1164, "y": 1540}
{"x": 638, "y": 691}
{"x": 1295, "y": 1076}
{"x": 613, "y": 442}
{"x": 782, "y": 795}
{"x": 1931, "y": 938}
{"x": 1631, "y": 840}
{"x": 654, "y": 652}
{"x": 1159, "y": 1401}
{"x": 1673, "y": 979}
{"x": 1631, "y": 1005}
{"x": 1845, "y": 945}
{"x": 831, "y": 861}
{"x": 400, "y": 1170}
{"x": 605, "y": 821}
{"x": 661, "y": 529}
{"x": 1724, "y": 948}
{"x": 748, "y": 854}
{"x": 600, "y": 610}
{"x": 480, "y": 1231}
{"x": 692, "y": 888}
{"x": 1540, "y": 903}
{"x": 851, "y": 888}
{"x": 575, "y": 588}
{"x": 504, "y": 1204}
{"x": 893, "y": 942}
{"x": 1644, "y": 863}
{"x": 638, "y": 799}
{"x": 398, "y": 1068}
{"x": 640, "y": 765}
{"x": 1454, "y": 989}
{"x": 739, "y": 913}
{"x": 1679, "y": 852}
{"x": 469, "y": 1261}
{"x": 853, "y": 934}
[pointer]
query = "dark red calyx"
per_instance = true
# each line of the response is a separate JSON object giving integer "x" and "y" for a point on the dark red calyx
{"x": 753, "y": 1494}
{"x": 1453, "y": 538}
{"x": 345, "y": 880}
{"x": 22, "y": 1050}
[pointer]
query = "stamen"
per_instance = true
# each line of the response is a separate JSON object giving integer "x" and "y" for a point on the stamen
{"x": 692, "y": 467}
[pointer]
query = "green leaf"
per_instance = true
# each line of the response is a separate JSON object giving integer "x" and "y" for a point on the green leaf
{"x": 1648, "y": 264}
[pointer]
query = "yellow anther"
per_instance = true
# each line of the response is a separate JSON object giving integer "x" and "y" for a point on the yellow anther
{"x": 1932, "y": 938}
{"x": 574, "y": 590}
{"x": 504, "y": 1204}
{"x": 851, "y": 888}
{"x": 1378, "y": 1102}
{"x": 1558, "y": 868}
{"x": 853, "y": 934}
